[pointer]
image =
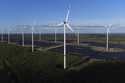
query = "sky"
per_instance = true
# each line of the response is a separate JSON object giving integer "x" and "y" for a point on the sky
{"x": 82, "y": 12}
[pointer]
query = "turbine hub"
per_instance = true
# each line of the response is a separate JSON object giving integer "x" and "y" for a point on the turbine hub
{"x": 65, "y": 22}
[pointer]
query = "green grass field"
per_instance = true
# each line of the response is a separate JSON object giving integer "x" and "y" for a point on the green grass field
{"x": 19, "y": 65}
{"x": 23, "y": 63}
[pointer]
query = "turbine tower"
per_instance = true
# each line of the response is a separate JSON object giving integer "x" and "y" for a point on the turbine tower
{"x": 66, "y": 25}
{"x": 8, "y": 37}
{"x": 32, "y": 38}
{"x": 107, "y": 36}
{"x": 78, "y": 38}
{"x": 2, "y": 36}
{"x": 107, "y": 39}
{"x": 55, "y": 35}
{"x": 23, "y": 39}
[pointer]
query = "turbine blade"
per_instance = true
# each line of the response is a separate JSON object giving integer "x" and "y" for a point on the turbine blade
{"x": 69, "y": 27}
{"x": 60, "y": 24}
{"x": 67, "y": 16}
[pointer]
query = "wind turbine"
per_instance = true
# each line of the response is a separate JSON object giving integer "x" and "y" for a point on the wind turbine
{"x": 107, "y": 34}
{"x": 32, "y": 38}
{"x": 78, "y": 38}
{"x": 8, "y": 37}
{"x": 2, "y": 36}
{"x": 66, "y": 25}
{"x": 107, "y": 37}
{"x": 55, "y": 35}
{"x": 23, "y": 37}
{"x": 32, "y": 27}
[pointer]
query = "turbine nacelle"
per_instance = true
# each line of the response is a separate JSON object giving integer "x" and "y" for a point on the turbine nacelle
{"x": 65, "y": 22}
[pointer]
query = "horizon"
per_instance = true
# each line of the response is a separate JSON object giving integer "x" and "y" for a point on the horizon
{"x": 82, "y": 12}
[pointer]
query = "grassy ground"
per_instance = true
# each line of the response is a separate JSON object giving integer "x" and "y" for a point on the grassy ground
{"x": 21, "y": 63}
{"x": 99, "y": 72}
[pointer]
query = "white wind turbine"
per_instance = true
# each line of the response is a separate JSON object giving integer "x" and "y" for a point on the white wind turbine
{"x": 23, "y": 37}
{"x": 32, "y": 38}
{"x": 66, "y": 25}
{"x": 77, "y": 35}
{"x": 107, "y": 34}
{"x": 107, "y": 37}
{"x": 55, "y": 35}
{"x": 8, "y": 36}
{"x": 78, "y": 40}
{"x": 2, "y": 36}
